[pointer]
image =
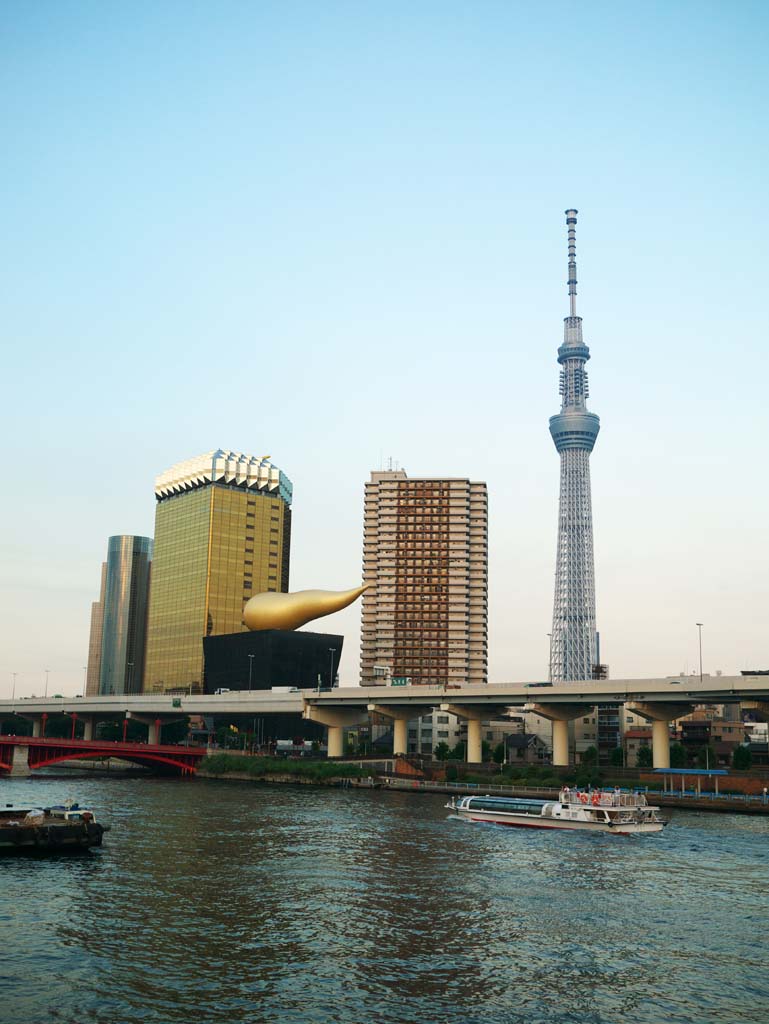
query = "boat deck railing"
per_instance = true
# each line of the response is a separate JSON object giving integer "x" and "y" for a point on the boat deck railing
{"x": 599, "y": 798}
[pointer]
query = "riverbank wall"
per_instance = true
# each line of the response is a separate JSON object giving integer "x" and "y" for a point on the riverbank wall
{"x": 726, "y": 804}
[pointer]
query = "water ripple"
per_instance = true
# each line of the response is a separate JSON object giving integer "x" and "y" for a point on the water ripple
{"x": 228, "y": 903}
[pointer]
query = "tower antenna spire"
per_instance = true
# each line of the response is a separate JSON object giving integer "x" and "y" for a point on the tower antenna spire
{"x": 571, "y": 224}
{"x": 574, "y": 649}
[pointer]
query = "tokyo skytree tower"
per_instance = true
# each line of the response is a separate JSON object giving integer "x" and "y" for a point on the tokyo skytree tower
{"x": 573, "y": 651}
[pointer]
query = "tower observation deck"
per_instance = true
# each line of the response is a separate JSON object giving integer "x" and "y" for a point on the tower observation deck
{"x": 573, "y": 651}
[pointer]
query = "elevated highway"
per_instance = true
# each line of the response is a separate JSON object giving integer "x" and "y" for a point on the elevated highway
{"x": 658, "y": 700}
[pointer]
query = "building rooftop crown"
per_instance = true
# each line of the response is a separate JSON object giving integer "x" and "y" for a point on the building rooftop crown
{"x": 251, "y": 472}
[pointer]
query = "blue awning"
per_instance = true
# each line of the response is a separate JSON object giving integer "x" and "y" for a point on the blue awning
{"x": 691, "y": 771}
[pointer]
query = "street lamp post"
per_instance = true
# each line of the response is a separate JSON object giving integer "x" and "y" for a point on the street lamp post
{"x": 130, "y": 666}
{"x": 85, "y": 678}
{"x": 250, "y": 670}
{"x": 699, "y": 627}
{"x": 46, "y": 681}
{"x": 13, "y": 693}
{"x": 332, "y": 652}
{"x": 550, "y": 658}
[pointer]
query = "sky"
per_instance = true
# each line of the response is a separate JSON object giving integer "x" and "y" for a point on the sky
{"x": 334, "y": 232}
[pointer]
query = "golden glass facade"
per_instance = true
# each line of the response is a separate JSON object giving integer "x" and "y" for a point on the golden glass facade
{"x": 215, "y": 547}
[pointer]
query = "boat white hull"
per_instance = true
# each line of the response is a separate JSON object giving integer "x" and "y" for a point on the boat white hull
{"x": 623, "y": 828}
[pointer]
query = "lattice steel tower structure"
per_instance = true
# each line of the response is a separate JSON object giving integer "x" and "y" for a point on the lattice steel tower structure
{"x": 574, "y": 643}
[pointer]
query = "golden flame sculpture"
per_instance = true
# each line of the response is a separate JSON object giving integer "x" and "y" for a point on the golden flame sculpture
{"x": 289, "y": 611}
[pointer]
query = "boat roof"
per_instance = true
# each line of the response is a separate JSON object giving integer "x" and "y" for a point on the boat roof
{"x": 691, "y": 771}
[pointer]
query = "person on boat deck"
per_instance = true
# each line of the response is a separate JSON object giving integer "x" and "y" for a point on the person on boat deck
{"x": 617, "y": 796}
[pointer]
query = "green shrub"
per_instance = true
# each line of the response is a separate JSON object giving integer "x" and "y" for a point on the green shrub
{"x": 742, "y": 758}
{"x": 258, "y": 767}
{"x": 645, "y": 757}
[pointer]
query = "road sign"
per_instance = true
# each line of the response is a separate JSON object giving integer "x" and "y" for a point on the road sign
{"x": 400, "y": 681}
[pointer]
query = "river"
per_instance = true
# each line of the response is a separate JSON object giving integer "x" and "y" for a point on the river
{"x": 220, "y": 903}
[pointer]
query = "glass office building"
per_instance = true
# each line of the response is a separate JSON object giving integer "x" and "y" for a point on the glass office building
{"x": 222, "y": 534}
{"x": 124, "y": 614}
{"x": 93, "y": 669}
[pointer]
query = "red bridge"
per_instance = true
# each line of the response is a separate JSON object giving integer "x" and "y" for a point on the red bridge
{"x": 42, "y": 752}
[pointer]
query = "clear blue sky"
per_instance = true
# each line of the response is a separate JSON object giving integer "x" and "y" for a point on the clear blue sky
{"x": 334, "y": 232}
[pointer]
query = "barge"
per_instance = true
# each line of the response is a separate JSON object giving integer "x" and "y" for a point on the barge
{"x": 44, "y": 830}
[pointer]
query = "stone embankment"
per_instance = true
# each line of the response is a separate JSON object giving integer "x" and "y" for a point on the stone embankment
{"x": 724, "y": 804}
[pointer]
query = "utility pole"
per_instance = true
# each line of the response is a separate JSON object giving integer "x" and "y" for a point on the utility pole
{"x": 699, "y": 627}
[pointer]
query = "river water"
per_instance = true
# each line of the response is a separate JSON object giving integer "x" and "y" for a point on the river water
{"x": 222, "y": 902}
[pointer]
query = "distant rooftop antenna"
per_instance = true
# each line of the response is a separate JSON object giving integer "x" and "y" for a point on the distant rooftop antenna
{"x": 571, "y": 224}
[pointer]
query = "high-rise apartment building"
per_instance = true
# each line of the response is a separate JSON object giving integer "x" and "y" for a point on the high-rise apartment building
{"x": 124, "y": 614}
{"x": 93, "y": 669}
{"x": 425, "y": 552}
{"x": 574, "y": 642}
{"x": 222, "y": 534}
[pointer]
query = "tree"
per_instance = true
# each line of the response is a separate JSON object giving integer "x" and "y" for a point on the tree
{"x": 742, "y": 758}
{"x": 706, "y": 757}
{"x": 485, "y": 751}
{"x": 499, "y": 753}
{"x": 644, "y": 758}
{"x": 617, "y": 758}
{"x": 458, "y": 752}
{"x": 589, "y": 756}
{"x": 677, "y": 756}
{"x": 135, "y": 731}
{"x": 175, "y": 732}
{"x": 15, "y": 726}
{"x": 442, "y": 751}
{"x": 60, "y": 728}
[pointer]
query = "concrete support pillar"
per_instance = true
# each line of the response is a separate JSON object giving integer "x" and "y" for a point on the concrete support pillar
{"x": 661, "y": 744}
{"x": 473, "y": 715}
{"x": 560, "y": 743}
{"x": 560, "y": 715}
{"x": 87, "y": 726}
{"x": 400, "y": 736}
{"x": 37, "y": 727}
{"x": 660, "y": 715}
{"x": 335, "y": 741}
{"x": 20, "y": 763}
{"x": 401, "y": 717}
{"x": 153, "y": 731}
{"x": 336, "y": 721}
{"x": 474, "y": 743}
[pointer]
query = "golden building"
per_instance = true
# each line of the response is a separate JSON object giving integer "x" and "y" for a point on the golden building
{"x": 222, "y": 534}
{"x": 425, "y": 558}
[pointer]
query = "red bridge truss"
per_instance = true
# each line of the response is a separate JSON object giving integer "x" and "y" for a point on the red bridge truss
{"x": 43, "y": 752}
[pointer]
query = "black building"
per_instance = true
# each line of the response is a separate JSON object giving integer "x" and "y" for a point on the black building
{"x": 271, "y": 657}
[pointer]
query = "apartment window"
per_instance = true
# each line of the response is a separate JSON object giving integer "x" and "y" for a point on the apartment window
{"x": 443, "y": 734}
{"x": 586, "y": 721}
{"x": 246, "y": 584}
{"x": 247, "y": 574}
{"x": 272, "y": 577}
{"x": 442, "y": 719}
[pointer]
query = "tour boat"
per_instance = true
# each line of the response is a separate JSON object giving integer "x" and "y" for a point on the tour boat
{"x": 620, "y": 813}
{"x": 62, "y": 829}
